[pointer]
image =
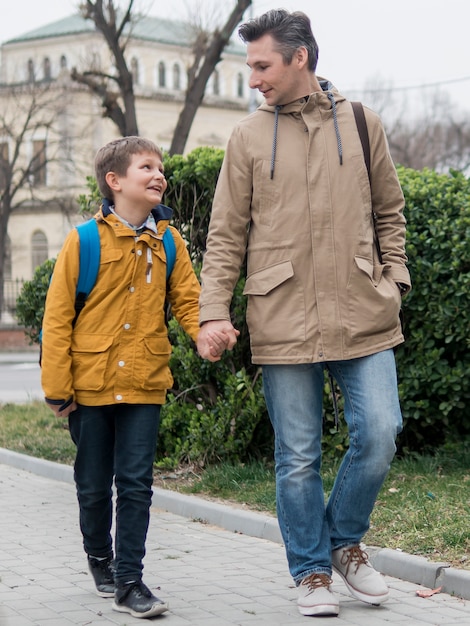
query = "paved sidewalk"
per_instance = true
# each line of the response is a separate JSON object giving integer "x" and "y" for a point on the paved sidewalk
{"x": 209, "y": 575}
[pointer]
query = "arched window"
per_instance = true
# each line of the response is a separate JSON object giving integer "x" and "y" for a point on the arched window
{"x": 46, "y": 69}
{"x": 161, "y": 74}
{"x": 240, "y": 86}
{"x": 39, "y": 249}
{"x": 176, "y": 77}
{"x": 38, "y": 165}
{"x": 216, "y": 83}
{"x": 135, "y": 70}
{"x": 95, "y": 61}
{"x": 63, "y": 62}
{"x": 30, "y": 70}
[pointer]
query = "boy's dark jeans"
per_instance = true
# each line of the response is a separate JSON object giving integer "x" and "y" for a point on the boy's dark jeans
{"x": 115, "y": 441}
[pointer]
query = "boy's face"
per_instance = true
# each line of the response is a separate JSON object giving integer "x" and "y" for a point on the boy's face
{"x": 143, "y": 185}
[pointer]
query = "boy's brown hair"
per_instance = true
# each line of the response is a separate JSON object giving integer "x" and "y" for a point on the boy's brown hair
{"x": 116, "y": 155}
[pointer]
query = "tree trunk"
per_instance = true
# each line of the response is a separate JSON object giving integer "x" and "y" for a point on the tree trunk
{"x": 197, "y": 86}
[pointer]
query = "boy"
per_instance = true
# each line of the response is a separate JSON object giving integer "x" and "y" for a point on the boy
{"x": 107, "y": 371}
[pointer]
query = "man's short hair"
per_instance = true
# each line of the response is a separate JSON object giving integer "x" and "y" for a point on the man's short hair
{"x": 290, "y": 31}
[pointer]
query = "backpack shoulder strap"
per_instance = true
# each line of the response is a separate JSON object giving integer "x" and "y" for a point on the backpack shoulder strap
{"x": 170, "y": 251}
{"x": 90, "y": 252}
{"x": 361, "y": 124}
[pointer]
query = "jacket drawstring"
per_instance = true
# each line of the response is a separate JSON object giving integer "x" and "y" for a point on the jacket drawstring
{"x": 335, "y": 122}
{"x": 273, "y": 153}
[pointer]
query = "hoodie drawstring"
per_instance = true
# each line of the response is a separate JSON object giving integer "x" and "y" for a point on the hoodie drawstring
{"x": 335, "y": 122}
{"x": 273, "y": 153}
{"x": 278, "y": 107}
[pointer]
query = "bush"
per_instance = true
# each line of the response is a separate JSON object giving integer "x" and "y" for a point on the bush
{"x": 217, "y": 411}
{"x": 30, "y": 303}
{"x": 191, "y": 185}
{"x": 434, "y": 363}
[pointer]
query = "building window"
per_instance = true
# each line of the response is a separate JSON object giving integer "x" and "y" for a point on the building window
{"x": 39, "y": 249}
{"x": 240, "y": 86}
{"x": 95, "y": 62}
{"x": 135, "y": 70}
{"x": 161, "y": 74}
{"x": 176, "y": 77}
{"x": 46, "y": 68}
{"x": 216, "y": 83}
{"x": 63, "y": 62}
{"x": 4, "y": 164}
{"x": 30, "y": 70}
{"x": 38, "y": 163}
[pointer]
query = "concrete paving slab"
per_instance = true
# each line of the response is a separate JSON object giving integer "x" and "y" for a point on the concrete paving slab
{"x": 209, "y": 575}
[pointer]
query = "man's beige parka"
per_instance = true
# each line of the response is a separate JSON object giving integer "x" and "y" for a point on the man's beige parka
{"x": 297, "y": 200}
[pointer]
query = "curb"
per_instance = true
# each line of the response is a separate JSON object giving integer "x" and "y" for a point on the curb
{"x": 413, "y": 569}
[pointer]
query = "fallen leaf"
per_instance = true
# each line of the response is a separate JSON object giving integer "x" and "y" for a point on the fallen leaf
{"x": 427, "y": 593}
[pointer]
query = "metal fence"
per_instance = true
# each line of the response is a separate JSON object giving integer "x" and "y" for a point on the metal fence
{"x": 11, "y": 291}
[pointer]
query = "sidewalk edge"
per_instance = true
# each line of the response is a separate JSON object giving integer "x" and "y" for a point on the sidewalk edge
{"x": 414, "y": 569}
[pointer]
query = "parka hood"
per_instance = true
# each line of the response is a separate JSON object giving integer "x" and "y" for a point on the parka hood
{"x": 326, "y": 99}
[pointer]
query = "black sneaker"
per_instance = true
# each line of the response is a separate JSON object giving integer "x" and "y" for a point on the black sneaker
{"x": 137, "y": 599}
{"x": 103, "y": 571}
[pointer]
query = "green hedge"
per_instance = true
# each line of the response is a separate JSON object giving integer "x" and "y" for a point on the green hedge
{"x": 216, "y": 411}
{"x": 434, "y": 363}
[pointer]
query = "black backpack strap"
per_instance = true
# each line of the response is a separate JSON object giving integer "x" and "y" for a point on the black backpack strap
{"x": 361, "y": 124}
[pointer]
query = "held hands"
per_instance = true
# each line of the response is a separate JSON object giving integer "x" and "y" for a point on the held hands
{"x": 215, "y": 337}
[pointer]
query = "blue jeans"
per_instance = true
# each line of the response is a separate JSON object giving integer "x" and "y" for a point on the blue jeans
{"x": 115, "y": 441}
{"x": 294, "y": 394}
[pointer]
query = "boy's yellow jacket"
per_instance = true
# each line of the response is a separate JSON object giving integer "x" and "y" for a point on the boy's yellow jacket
{"x": 118, "y": 351}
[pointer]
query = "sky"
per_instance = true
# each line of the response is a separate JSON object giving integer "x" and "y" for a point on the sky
{"x": 413, "y": 47}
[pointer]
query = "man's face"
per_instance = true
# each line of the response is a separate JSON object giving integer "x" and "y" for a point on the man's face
{"x": 279, "y": 83}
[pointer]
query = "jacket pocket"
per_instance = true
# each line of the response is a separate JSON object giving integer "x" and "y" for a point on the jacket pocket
{"x": 265, "y": 280}
{"x": 90, "y": 356}
{"x": 109, "y": 277}
{"x": 275, "y": 309}
{"x": 157, "y": 374}
{"x": 373, "y": 301}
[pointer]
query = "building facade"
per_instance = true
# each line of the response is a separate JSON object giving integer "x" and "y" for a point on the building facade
{"x": 62, "y": 124}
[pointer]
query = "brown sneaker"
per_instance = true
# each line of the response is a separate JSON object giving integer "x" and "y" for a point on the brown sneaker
{"x": 315, "y": 597}
{"x": 362, "y": 580}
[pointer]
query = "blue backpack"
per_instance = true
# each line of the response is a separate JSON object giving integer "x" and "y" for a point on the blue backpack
{"x": 90, "y": 260}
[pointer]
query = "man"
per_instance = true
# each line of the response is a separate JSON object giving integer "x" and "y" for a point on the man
{"x": 294, "y": 194}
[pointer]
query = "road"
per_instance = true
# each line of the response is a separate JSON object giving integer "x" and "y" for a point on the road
{"x": 20, "y": 378}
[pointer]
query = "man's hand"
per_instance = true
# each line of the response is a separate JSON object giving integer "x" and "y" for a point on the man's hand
{"x": 64, "y": 409}
{"x": 215, "y": 337}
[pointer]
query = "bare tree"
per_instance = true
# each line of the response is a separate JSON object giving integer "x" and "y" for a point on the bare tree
{"x": 119, "y": 103}
{"x": 28, "y": 111}
{"x": 207, "y": 51}
{"x": 438, "y": 138}
{"x": 424, "y": 128}
{"x": 102, "y": 84}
